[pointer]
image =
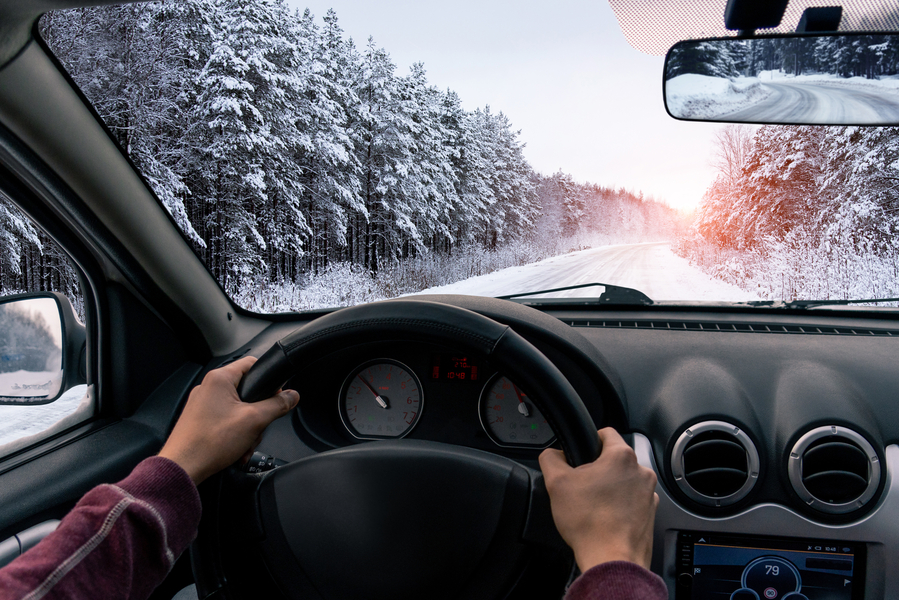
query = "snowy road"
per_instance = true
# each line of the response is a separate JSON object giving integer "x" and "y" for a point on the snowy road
{"x": 821, "y": 102}
{"x": 651, "y": 268}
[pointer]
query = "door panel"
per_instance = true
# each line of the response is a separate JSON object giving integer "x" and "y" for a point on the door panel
{"x": 49, "y": 480}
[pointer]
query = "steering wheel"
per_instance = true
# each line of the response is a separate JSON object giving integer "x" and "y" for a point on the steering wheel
{"x": 393, "y": 519}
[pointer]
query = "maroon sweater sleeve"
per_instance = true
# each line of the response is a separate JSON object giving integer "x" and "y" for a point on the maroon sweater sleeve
{"x": 120, "y": 541}
{"x": 618, "y": 580}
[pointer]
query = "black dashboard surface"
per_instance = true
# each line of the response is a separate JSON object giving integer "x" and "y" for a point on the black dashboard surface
{"x": 657, "y": 373}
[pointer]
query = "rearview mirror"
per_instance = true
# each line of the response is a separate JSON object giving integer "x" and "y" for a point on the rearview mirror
{"x": 814, "y": 79}
{"x": 41, "y": 345}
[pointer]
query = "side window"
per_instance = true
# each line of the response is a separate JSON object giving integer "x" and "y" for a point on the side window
{"x": 42, "y": 387}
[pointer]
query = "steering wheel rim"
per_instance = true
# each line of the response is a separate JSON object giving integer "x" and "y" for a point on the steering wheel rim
{"x": 511, "y": 493}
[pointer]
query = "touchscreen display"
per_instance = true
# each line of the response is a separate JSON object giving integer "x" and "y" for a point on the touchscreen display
{"x": 728, "y": 567}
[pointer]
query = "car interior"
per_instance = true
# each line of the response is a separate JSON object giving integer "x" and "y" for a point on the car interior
{"x": 773, "y": 429}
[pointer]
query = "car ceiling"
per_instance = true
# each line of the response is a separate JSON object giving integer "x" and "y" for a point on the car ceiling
{"x": 653, "y": 26}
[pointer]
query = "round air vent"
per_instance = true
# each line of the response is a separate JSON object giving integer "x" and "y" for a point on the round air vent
{"x": 715, "y": 463}
{"x": 834, "y": 469}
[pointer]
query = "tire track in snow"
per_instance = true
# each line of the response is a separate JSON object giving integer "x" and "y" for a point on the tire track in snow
{"x": 651, "y": 268}
{"x": 818, "y": 102}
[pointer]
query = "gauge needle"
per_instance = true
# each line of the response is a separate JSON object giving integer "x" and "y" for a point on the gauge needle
{"x": 380, "y": 400}
{"x": 522, "y": 407}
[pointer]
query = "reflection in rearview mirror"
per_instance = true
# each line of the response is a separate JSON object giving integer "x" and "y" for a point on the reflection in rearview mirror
{"x": 832, "y": 79}
{"x": 30, "y": 350}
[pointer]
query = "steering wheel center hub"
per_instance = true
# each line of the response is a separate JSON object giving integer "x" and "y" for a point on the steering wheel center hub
{"x": 389, "y": 519}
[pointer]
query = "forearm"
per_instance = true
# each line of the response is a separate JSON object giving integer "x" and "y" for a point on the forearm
{"x": 618, "y": 580}
{"x": 120, "y": 541}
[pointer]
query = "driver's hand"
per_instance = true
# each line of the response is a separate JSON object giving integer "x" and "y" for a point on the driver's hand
{"x": 216, "y": 428}
{"x": 604, "y": 510}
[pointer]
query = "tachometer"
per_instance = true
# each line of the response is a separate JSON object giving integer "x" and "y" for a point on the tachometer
{"x": 510, "y": 418}
{"x": 380, "y": 399}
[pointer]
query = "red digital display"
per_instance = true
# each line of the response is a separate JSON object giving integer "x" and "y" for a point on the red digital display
{"x": 454, "y": 367}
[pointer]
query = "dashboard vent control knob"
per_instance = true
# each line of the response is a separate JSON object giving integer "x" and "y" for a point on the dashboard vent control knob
{"x": 834, "y": 470}
{"x": 715, "y": 463}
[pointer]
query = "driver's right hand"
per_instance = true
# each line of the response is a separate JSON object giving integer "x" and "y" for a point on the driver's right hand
{"x": 604, "y": 510}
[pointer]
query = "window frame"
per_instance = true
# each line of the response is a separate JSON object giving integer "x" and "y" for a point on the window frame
{"x": 24, "y": 180}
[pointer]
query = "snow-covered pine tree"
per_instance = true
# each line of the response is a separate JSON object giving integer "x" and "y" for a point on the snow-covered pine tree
{"x": 110, "y": 51}
{"x": 324, "y": 114}
{"x": 17, "y": 236}
{"x": 241, "y": 88}
{"x": 702, "y": 58}
{"x": 430, "y": 189}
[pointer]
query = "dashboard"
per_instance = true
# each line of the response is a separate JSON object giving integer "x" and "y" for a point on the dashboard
{"x": 773, "y": 435}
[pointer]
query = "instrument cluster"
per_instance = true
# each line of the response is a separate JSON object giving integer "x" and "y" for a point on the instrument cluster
{"x": 392, "y": 391}
{"x": 384, "y": 398}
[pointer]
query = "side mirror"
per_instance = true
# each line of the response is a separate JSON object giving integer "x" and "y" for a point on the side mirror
{"x": 41, "y": 348}
{"x": 798, "y": 79}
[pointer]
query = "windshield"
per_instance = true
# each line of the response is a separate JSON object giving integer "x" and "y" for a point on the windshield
{"x": 316, "y": 157}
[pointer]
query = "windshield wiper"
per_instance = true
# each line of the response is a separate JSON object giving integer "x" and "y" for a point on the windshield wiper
{"x": 612, "y": 294}
{"x": 814, "y": 303}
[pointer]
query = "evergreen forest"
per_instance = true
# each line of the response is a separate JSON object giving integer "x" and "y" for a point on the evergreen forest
{"x": 293, "y": 159}
{"x": 868, "y": 56}
{"x": 802, "y": 212}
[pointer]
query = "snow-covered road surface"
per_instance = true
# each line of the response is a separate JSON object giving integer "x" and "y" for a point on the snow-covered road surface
{"x": 821, "y": 102}
{"x": 651, "y": 268}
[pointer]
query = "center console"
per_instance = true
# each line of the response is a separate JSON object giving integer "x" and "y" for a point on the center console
{"x": 740, "y": 567}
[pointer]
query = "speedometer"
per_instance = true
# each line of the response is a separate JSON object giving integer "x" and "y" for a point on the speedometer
{"x": 380, "y": 399}
{"x": 510, "y": 418}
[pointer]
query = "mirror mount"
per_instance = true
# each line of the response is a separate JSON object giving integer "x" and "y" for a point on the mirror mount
{"x": 74, "y": 336}
{"x": 820, "y": 19}
{"x": 746, "y": 16}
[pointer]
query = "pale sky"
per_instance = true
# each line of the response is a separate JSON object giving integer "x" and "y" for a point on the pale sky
{"x": 585, "y": 100}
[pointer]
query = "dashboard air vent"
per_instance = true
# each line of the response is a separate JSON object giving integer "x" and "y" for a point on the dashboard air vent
{"x": 715, "y": 463}
{"x": 834, "y": 469}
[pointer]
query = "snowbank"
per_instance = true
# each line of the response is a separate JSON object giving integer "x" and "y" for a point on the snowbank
{"x": 23, "y": 425}
{"x": 29, "y": 384}
{"x": 890, "y": 83}
{"x": 887, "y": 82}
{"x": 694, "y": 96}
{"x": 785, "y": 271}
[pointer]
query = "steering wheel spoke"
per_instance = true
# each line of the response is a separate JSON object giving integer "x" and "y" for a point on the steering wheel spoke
{"x": 539, "y": 528}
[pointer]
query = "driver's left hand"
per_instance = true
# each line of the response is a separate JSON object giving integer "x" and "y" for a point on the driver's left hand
{"x": 216, "y": 428}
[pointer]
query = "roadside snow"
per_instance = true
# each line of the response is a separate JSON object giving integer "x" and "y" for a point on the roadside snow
{"x": 651, "y": 268}
{"x": 20, "y": 422}
{"x": 890, "y": 83}
{"x": 887, "y": 82}
{"x": 694, "y": 96}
